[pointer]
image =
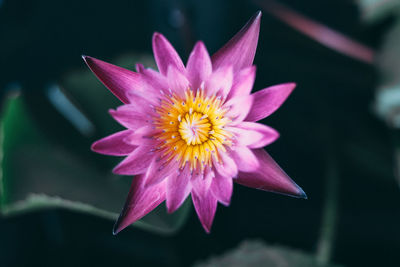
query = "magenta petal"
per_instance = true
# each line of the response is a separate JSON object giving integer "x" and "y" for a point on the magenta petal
{"x": 239, "y": 52}
{"x": 268, "y": 100}
{"x": 136, "y": 163}
{"x": 238, "y": 108}
{"x": 142, "y": 136}
{"x": 227, "y": 166}
{"x": 114, "y": 144}
{"x": 220, "y": 82}
{"x": 243, "y": 82}
{"x": 165, "y": 54}
{"x": 221, "y": 188}
{"x": 129, "y": 117}
{"x": 205, "y": 206}
{"x": 153, "y": 79}
{"x": 178, "y": 188}
{"x": 177, "y": 82}
{"x": 254, "y": 135}
{"x": 140, "y": 201}
{"x": 199, "y": 65}
{"x": 118, "y": 80}
{"x": 245, "y": 159}
{"x": 158, "y": 170}
{"x": 269, "y": 177}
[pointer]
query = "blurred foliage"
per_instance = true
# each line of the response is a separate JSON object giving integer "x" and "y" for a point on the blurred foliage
{"x": 257, "y": 253}
{"x": 38, "y": 174}
{"x": 373, "y": 10}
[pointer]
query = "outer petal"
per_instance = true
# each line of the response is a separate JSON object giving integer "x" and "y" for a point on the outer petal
{"x": 114, "y": 144}
{"x": 136, "y": 163}
{"x": 221, "y": 188}
{"x": 199, "y": 65}
{"x": 243, "y": 82}
{"x": 268, "y": 100}
{"x": 270, "y": 177}
{"x": 245, "y": 160}
{"x": 205, "y": 206}
{"x": 140, "y": 201}
{"x": 178, "y": 188}
{"x": 220, "y": 82}
{"x": 254, "y": 135}
{"x": 129, "y": 117}
{"x": 165, "y": 54}
{"x": 118, "y": 80}
{"x": 240, "y": 50}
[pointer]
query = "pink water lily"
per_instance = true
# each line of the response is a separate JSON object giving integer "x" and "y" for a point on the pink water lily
{"x": 192, "y": 129}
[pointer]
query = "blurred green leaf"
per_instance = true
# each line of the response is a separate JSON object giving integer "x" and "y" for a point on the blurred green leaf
{"x": 257, "y": 253}
{"x": 39, "y": 174}
{"x": 373, "y": 10}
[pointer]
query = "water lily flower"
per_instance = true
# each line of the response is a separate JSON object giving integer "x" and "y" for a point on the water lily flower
{"x": 192, "y": 130}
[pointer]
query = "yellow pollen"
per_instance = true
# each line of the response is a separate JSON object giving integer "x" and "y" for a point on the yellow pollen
{"x": 192, "y": 129}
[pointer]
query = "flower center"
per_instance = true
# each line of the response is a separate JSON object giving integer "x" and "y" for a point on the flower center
{"x": 192, "y": 129}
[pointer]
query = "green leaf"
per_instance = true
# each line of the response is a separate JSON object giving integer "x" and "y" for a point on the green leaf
{"x": 257, "y": 253}
{"x": 39, "y": 174}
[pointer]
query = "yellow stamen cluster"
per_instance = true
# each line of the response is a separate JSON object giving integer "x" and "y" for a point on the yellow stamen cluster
{"x": 192, "y": 128}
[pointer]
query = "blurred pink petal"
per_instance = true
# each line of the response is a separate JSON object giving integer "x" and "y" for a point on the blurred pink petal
{"x": 114, "y": 144}
{"x": 254, "y": 135}
{"x": 165, "y": 54}
{"x": 117, "y": 79}
{"x": 239, "y": 52}
{"x": 269, "y": 177}
{"x": 268, "y": 100}
{"x": 199, "y": 66}
{"x": 140, "y": 201}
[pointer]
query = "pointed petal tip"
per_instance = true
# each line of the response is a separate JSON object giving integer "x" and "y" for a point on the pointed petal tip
{"x": 258, "y": 14}
{"x": 301, "y": 193}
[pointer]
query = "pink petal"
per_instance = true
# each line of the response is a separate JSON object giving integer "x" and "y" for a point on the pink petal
{"x": 142, "y": 136}
{"x": 220, "y": 82}
{"x": 118, "y": 80}
{"x": 270, "y": 177}
{"x": 178, "y": 188}
{"x": 158, "y": 170}
{"x": 238, "y": 108}
{"x": 227, "y": 167}
{"x": 114, "y": 144}
{"x": 243, "y": 82}
{"x": 153, "y": 78}
{"x": 129, "y": 117}
{"x": 198, "y": 66}
{"x": 221, "y": 188}
{"x": 245, "y": 159}
{"x": 136, "y": 163}
{"x": 205, "y": 206}
{"x": 140, "y": 201}
{"x": 240, "y": 50}
{"x": 201, "y": 182}
{"x": 254, "y": 135}
{"x": 177, "y": 82}
{"x": 268, "y": 100}
{"x": 165, "y": 54}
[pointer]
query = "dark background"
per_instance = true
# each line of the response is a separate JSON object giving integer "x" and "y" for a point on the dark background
{"x": 327, "y": 125}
